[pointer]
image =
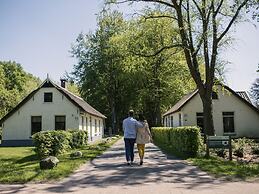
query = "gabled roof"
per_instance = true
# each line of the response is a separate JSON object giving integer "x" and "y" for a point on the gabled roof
{"x": 76, "y": 100}
{"x": 244, "y": 95}
{"x": 180, "y": 104}
{"x": 177, "y": 107}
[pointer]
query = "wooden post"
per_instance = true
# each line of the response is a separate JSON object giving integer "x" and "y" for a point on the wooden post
{"x": 230, "y": 148}
{"x": 207, "y": 147}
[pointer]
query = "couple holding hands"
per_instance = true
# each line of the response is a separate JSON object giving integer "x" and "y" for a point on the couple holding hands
{"x": 135, "y": 131}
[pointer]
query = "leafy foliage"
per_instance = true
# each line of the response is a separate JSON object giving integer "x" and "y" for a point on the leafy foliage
{"x": 79, "y": 138}
{"x": 51, "y": 143}
{"x": 15, "y": 84}
{"x": 111, "y": 69}
{"x": 183, "y": 141}
{"x": 255, "y": 92}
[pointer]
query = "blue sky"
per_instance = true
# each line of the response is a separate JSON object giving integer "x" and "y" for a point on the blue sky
{"x": 39, "y": 33}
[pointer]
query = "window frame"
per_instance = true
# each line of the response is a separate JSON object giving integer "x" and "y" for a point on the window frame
{"x": 171, "y": 121}
{"x": 180, "y": 119}
{"x": 64, "y": 122}
{"x": 48, "y": 98}
{"x": 228, "y": 116}
{"x": 34, "y": 123}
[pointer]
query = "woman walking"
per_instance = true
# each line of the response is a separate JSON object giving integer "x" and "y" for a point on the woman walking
{"x": 143, "y": 137}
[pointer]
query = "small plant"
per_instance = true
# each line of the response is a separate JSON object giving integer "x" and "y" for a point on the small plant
{"x": 242, "y": 146}
{"x": 221, "y": 153}
{"x": 79, "y": 138}
{"x": 255, "y": 148}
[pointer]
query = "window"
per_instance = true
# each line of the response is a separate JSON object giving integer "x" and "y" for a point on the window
{"x": 95, "y": 125}
{"x": 180, "y": 119}
{"x": 48, "y": 97}
{"x": 60, "y": 122}
{"x": 82, "y": 119}
{"x": 214, "y": 95}
{"x": 228, "y": 122}
{"x": 35, "y": 124}
{"x": 99, "y": 126}
{"x": 165, "y": 121}
{"x": 171, "y": 121}
{"x": 200, "y": 121}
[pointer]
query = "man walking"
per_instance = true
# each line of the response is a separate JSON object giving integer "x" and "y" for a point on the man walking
{"x": 130, "y": 126}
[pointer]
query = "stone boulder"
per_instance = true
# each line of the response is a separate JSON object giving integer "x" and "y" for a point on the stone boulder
{"x": 76, "y": 154}
{"x": 49, "y": 162}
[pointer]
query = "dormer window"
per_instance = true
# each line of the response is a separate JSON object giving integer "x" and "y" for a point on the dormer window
{"x": 214, "y": 95}
{"x": 48, "y": 97}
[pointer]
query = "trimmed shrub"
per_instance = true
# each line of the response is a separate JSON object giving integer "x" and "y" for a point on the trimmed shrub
{"x": 51, "y": 143}
{"x": 182, "y": 141}
{"x": 161, "y": 135}
{"x": 79, "y": 138}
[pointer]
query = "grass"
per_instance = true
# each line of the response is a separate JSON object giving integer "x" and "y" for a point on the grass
{"x": 21, "y": 165}
{"x": 219, "y": 167}
{"x": 230, "y": 170}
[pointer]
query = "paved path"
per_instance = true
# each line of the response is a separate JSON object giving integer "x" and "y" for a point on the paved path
{"x": 159, "y": 174}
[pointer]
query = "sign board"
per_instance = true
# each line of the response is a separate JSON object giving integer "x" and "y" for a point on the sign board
{"x": 219, "y": 142}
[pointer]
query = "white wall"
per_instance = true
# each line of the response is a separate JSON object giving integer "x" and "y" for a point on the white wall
{"x": 246, "y": 120}
{"x": 93, "y": 133}
{"x": 175, "y": 120}
{"x": 18, "y": 126}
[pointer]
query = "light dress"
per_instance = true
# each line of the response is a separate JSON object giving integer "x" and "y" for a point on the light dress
{"x": 143, "y": 134}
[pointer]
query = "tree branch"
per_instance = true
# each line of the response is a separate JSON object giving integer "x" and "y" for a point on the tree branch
{"x": 158, "y": 51}
{"x": 152, "y": 1}
{"x": 232, "y": 20}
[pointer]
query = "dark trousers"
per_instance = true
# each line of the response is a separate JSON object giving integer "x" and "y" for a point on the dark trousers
{"x": 129, "y": 149}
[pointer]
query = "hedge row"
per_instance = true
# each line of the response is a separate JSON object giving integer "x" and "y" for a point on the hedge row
{"x": 53, "y": 143}
{"x": 183, "y": 141}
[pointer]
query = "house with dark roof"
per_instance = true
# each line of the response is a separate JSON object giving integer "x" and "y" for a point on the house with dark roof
{"x": 233, "y": 113}
{"x": 50, "y": 107}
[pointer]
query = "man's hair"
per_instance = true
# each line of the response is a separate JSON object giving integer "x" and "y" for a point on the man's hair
{"x": 131, "y": 113}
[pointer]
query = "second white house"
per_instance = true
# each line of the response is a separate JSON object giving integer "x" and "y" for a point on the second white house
{"x": 233, "y": 113}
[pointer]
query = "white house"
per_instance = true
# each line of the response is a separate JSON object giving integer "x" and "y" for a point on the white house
{"x": 50, "y": 107}
{"x": 233, "y": 113}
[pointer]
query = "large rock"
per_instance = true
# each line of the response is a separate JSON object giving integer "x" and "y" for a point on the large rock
{"x": 49, "y": 162}
{"x": 76, "y": 154}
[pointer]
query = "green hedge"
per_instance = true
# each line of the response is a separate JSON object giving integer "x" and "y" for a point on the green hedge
{"x": 53, "y": 143}
{"x": 182, "y": 141}
{"x": 79, "y": 138}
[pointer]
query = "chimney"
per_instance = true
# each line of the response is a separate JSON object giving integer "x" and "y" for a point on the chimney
{"x": 63, "y": 83}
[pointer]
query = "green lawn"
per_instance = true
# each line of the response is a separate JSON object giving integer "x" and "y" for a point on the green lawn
{"x": 21, "y": 165}
{"x": 230, "y": 170}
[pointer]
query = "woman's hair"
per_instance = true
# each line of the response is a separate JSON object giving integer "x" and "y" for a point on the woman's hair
{"x": 141, "y": 117}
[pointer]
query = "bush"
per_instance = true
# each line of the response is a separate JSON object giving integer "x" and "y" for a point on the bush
{"x": 242, "y": 146}
{"x": 51, "y": 143}
{"x": 79, "y": 138}
{"x": 182, "y": 141}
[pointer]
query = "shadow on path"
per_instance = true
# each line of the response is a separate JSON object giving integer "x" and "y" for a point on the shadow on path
{"x": 110, "y": 169}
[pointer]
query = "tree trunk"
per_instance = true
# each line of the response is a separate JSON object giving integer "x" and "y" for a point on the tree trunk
{"x": 207, "y": 115}
{"x": 114, "y": 125}
{"x": 208, "y": 119}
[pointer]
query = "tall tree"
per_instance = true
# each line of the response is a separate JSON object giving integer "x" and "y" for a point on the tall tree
{"x": 203, "y": 26}
{"x": 111, "y": 69}
{"x": 100, "y": 65}
{"x": 165, "y": 78}
{"x": 15, "y": 84}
